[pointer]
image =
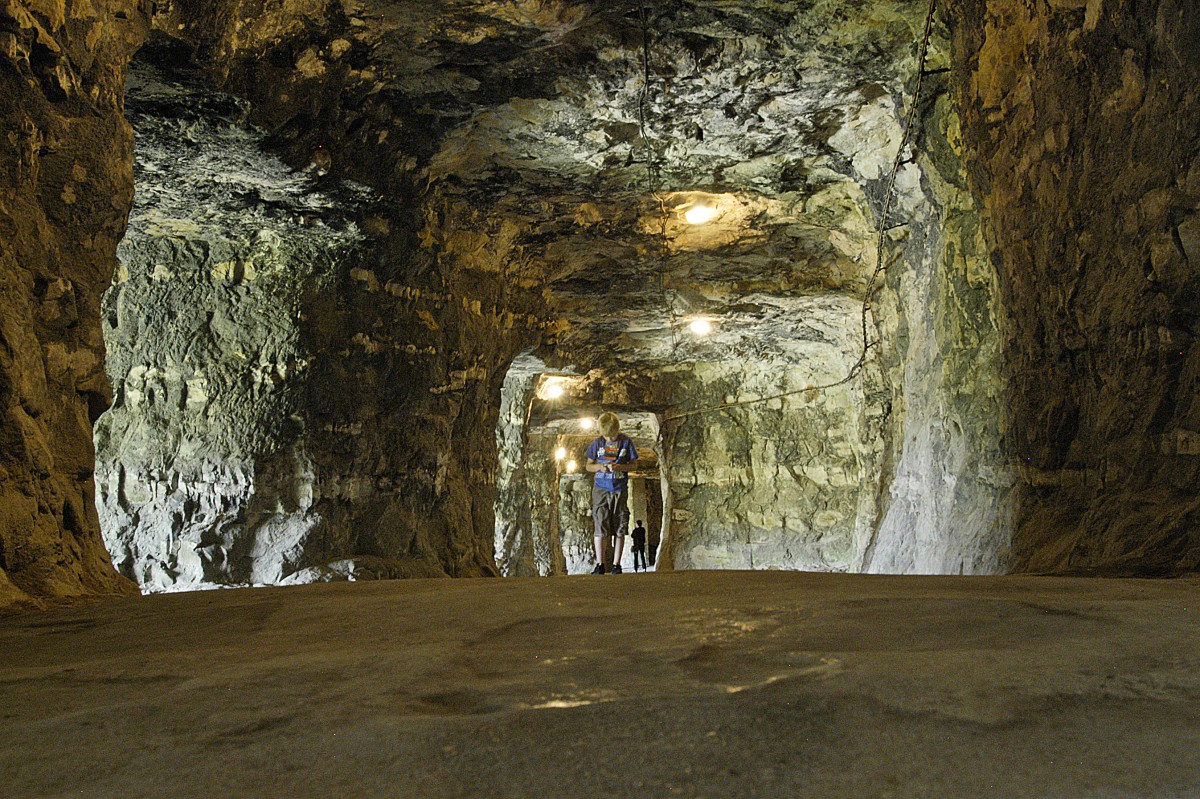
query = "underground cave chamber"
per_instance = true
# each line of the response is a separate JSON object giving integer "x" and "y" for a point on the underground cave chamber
{"x": 355, "y": 245}
{"x": 270, "y": 367}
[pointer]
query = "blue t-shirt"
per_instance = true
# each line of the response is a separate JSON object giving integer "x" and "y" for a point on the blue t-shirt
{"x": 620, "y": 450}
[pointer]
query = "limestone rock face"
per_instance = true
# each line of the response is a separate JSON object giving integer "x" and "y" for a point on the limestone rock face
{"x": 790, "y": 483}
{"x": 946, "y": 477}
{"x": 1082, "y": 125}
{"x": 283, "y": 414}
{"x": 203, "y": 467}
{"x": 318, "y": 381}
{"x": 537, "y": 162}
{"x": 65, "y": 186}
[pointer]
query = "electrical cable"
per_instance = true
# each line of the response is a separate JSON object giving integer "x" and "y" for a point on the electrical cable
{"x": 880, "y": 266}
{"x": 643, "y": 95}
{"x": 652, "y": 175}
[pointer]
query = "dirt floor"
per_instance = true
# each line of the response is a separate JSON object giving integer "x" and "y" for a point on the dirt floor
{"x": 721, "y": 684}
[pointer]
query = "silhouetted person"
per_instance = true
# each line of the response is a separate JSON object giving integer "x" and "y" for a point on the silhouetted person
{"x": 609, "y": 458}
{"x": 639, "y": 546}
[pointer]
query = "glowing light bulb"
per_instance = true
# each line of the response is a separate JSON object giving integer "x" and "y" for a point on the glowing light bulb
{"x": 586, "y": 423}
{"x": 701, "y": 327}
{"x": 572, "y": 466}
{"x": 554, "y": 390}
{"x": 560, "y": 453}
{"x": 699, "y": 214}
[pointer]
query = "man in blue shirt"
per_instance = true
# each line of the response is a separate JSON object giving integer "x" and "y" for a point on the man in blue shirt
{"x": 610, "y": 458}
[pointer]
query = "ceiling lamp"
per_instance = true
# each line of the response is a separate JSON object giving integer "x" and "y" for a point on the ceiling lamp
{"x": 587, "y": 422}
{"x": 560, "y": 453}
{"x": 701, "y": 327}
{"x": 552, "y": 387}
{"x": 699, "y": 214}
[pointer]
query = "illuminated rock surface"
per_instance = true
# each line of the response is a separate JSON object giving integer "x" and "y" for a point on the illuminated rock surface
{"x": 204, "y": 473}
{"x": 1027, "y": 404}
{"x": 545, "y": 213}
{"x": 691, "y": 684}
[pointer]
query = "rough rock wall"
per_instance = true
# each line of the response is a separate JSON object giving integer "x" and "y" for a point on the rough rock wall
{"x": 923, "y": 438}
{"x": 380, "y": 447}
{"x": 789, "y": 483}
{"x": 946, "y": 483}
{"x": 203, "y": 469}
{"x": 544, "y": 484}
{"x": 403, "y": 401}
{"x": 1081, "y": 120}
{"x": 575, "y": 523}
{"x": 283, "y": 414}
{"x": 65, "y": 188}
{"x": 433, "y": 334}
{"x": 517, "y": 553}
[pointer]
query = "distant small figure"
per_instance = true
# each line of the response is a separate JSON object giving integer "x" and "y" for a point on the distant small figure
{"x": 639, "y": 546}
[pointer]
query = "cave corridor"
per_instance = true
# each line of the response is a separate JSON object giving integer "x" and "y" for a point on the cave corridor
{"x": 899, "y": 301}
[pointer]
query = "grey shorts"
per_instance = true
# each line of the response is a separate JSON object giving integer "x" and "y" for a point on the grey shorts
{"x": 610, "y": 512}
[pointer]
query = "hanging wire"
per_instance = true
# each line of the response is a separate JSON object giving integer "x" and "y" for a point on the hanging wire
{"x": 643, "y": 98}
{"x": 652, "y": 174}
{"x": 880, "y": 265}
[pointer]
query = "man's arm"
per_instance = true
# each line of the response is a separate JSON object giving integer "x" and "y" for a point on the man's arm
{"x": 629, "y": 453}
{"x": 592, "y": 466}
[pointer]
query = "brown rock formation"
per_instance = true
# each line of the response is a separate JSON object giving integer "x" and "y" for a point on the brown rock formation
{"x": 65, "y": 189}
{"x": 1082, "y": 123}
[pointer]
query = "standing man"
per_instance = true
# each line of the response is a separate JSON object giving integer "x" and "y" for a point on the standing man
{"x": 639, "y": 546}
{"x": 610, "y": 458}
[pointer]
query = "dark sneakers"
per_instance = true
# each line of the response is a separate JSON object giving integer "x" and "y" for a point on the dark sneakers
{"x": 616, "y": 569}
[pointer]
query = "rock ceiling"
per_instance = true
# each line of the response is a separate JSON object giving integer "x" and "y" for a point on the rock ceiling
{"x": 577, "y": 133}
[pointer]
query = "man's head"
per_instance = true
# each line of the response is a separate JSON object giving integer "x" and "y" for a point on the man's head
{"x": 609, "y": 425}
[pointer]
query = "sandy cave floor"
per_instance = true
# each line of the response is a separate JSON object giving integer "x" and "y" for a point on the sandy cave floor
{"x": 720, "y": 684}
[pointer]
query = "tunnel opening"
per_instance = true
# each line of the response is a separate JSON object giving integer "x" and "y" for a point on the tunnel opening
{"x": 749, "y": 464}
{"x": 543, "y": 507}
